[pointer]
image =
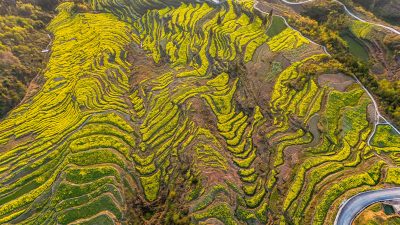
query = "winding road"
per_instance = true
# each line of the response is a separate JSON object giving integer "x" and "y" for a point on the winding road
{"x": 379, "y": 119}
{"x": 348, "y": 12}
{"x": 349, "y": 209}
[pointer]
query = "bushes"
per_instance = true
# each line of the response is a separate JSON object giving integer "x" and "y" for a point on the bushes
{"x": 11, "y": 92}
{"x": 85, "y": 196}
{"x": 222, "y": 212}
{"x": 85, "y": 175}
{"x": 256, "y": 200}
{"x": 307, "y": 165}
{"x": 210, "y": 157}
{"x": 94, "y": 157}
{"x": 361, "y": 29}
{"x": 48, "y": 5}
{"x": 151, "y": 185}
{"x": 211, "y": 195}
{"x": 101, "y": 219}
{"x": 104, "y": 202}
{"x": 393, "y": 176}
{"x": 108, "y": 146}
{"x": 353, "y": 124}
{"x": 369, "y": 178}
{"x": 72, "y": 190}
{"x": 316, "y": 176}
{"x": 385, "y": 136}
{"x": 336, "y": 102}
{"x": 297, "y": 138}
{"x": 286, "y": 40}
{"x": 327, "y": 34}
{"x": 22, "y": 37}
{"x": 237, "y": 35}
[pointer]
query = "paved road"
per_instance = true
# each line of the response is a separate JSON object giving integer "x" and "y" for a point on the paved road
{"x": 347, "y": 11}
{"x": 378, "y": 115}
{"x": 349, "y": 209}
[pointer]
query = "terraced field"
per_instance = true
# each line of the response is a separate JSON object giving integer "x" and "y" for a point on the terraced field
{"x": 148, "y": 115}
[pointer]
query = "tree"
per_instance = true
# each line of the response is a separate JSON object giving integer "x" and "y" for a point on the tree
{"x": 10, "y": 3}
{"x": 47, "y": 4}
{"x": 219, "y": 19}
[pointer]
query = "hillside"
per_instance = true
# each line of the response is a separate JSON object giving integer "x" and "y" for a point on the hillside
{"x": 189, "y": 112}
{"x": 367, "y": 47}
{"x": 388, "y": 10}
{"x": 23, "y": 36}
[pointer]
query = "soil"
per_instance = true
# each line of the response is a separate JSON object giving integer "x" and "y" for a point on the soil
{"x": 337, "y": 81}
{"x": 292, "y": 155}
{"x": 257, "y": 85}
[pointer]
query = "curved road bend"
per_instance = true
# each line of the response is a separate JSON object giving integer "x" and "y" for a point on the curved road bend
{"x": 349, "y": 209}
